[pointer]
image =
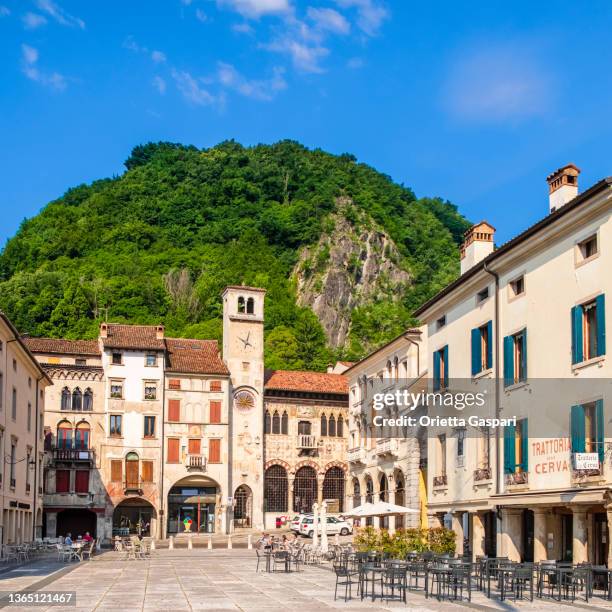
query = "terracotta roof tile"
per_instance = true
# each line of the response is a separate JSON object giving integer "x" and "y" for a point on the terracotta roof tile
{"x": 313, "y": 382}
{"x": 194, "y": 356}
{"x": 62, "y": 347}
{"x": 133, "y": 337}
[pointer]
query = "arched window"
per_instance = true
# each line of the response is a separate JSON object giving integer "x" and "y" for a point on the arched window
{"x": 285, "y": 423}
{"x": 77, "y": 399}
{"x": 276, "y": 489}
{"x": 340, "y": 427}
{"x": 64, "y": 435}
{"x": 81, "y": 436}
{"x": 66, "y": 398}
{"x": 304, "y": 489}
{"x": 396, "y": 368}
{"x": 250, "y": 306}
{"x": 400, "y": 498}
{"x": 323, "y": 425}
{"x": 333, "y": 486}
{"x": 132, "y": 471}
{"x": 88, "y": 399}
{"x": 384, "y": 496}
{"x": 241, "y": 305}
{"x": 331, "y": 426}
{"x": 275, "y": 423}
{"x": 267, "y": 423}
{"x": 356, "y": 493}
{"x": 389, "y": 373}
{"x": 369, "y": 499}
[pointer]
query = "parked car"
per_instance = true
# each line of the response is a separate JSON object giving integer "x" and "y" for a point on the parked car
{"x": 334, "y": 526}
{"x": 296, "y": 520}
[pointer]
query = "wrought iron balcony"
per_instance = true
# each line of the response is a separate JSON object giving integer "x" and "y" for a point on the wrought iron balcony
{"x": 76, "y": 455}
{"x": 517, "y": 478}
{"x": 484, "y": 473}
{"x": 196, "y": 462}
{"x": 306, "y": 441}
{"x": 133, "y": 487}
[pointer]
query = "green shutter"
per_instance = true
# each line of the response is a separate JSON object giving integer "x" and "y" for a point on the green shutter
{"x": 508, "y": 361}
{"x": 476, "y": 351}
{"x": 446, "y": 367}
{"x": 436, "y": 371}
{"x": 600, "y": 302}
{"x": 490, "y": 344}
{"x": 599, "y": 424}
{"x": 577, "y": 429}
{"x": 509, "y": 450}
{"x": 524, "y": 359}
{"x": 525, "y": 446}
{"x": 577, "y": 356}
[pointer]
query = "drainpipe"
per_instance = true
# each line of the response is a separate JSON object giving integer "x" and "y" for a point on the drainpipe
{"x": 498, "y": 480}
{"x": 162, "y": 514}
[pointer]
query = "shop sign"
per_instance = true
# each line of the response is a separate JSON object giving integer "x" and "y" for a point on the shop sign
{"x": 586, "y": 461}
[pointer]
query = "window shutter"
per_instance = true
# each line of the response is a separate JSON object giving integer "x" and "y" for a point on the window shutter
{"x": 508, "y": 361}
{"x": 116, "y": 470}
{"x": 524, "y": 357}
{"x": 599, "y": 424}
{"x": 509, "y": 450}
{"x": 577, "y": 355}
{"x": 173, "y": 450}
{"x": 476, "y": 351}
{"x": 174, "y": 410}
{"x": 436, "y": 371}
{"x": 62, "y": 481}
{"x": 446, "y": 367}
{"x": 81, "y": 481}
{"x": 490, "y": 344}
{"x": 525, "y": 445}
{"x": 214, "y": 450}
{"x": 215, "y": 411}
{"x": 194, "y": 446}
{"x": 577, "y": 429}
{"x": 147, "y": 471}
{"x": 600, "y": 302}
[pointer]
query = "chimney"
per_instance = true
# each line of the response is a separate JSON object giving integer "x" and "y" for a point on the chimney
{"x": 563, "y": 186}
{"x": 103, "y": 330}
{"x": 159, "y": 330}
{"x": 477, "y": 245}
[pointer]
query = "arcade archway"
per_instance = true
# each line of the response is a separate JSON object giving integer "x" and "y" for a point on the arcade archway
{"x": 134, "y": 516}
{"x": 192, "y": 506}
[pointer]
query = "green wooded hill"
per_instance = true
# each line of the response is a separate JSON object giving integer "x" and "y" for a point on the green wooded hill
{"x": 159, "y": 243}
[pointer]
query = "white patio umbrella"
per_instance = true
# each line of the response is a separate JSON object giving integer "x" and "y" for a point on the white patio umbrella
{"x": 380, "y": 508}
{"x": 324, "y": 543}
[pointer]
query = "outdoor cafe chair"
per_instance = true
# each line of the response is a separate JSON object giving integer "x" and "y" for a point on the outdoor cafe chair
{"x": 344, "y": 577}
{"x": 280, "y": 557}
{"x": 88, "y": 551}
{"x": 9, "y": 553}
{"x": 517, "y": 581}
{"x": 395, "y": 579}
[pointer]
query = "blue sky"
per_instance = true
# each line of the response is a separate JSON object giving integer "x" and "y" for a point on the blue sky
{"x": 471, "y": 101}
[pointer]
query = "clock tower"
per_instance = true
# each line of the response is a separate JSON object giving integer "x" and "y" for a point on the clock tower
{"x": 243, "y": 353}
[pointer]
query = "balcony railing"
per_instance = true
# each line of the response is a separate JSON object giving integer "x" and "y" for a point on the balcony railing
{"x": 133, "y": 487}
{"x": 386, "y": 446}
{"x": 356, "y": 455}
{"x": 517, "y": 478}
{"x": 440, "y": 481}
{"x": 73, "y": 454}
{"x": 196, "y": 462}
{"x": 306, "y": 441}
{"x": 484, "y": 473}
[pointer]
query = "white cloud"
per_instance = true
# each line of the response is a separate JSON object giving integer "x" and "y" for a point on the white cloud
{"x": 29, "y": 65}
{"x": 4, "y": 11}
{"x": 304, "y": 57}
{"x": 158, "y": 57}
{"x": 201, "y": 15}
{"x": 242, "y": 28}
{"x": 254, "y": 9}
{"x": 266, "y": 89}
{"x": 191, "y": 89}
{"x": 370, "y": 14}
{"x": 496, "y": 84}
{"x": 59, "y": 14}
{"x": 329, "y": 20}
{"x": 31, "y": 21}
{"x": 159, "y": 84}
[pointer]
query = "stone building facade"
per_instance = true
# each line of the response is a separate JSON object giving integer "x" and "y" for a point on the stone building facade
{"x": 22, "y": 400}
{"x": 305, "y": 442}
{"x": 388, "y": 463}
{"x": 526, "y": 322}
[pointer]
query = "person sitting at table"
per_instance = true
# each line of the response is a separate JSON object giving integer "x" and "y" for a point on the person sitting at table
{"x": 264, "y": 541}
{"x": 87, "y": 537}
{"x": 68, "y": 539}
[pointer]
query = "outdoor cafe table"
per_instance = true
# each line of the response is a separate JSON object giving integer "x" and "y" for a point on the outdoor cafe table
{"x": 602, "y": 569}
{"x": 556, "y": 572}
{"x": 376, "y": 571}
{"x": 489, "y": 569}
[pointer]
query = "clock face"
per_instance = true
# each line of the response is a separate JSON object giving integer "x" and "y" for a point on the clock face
{"x": 244, "y": 401}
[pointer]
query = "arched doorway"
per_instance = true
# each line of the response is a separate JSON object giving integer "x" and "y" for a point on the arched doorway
{"x": 333, "y": 489}
{"x": 384, "y": 496}
{"x": 304, "y": 489}
{"x": 400, "y": 497}
{"x": 76, "y": 522}
{"x": 192, "y": 505}
{"x": 356, "y": 493}
{"x": 133, "y": 516}
{"x": 369, "y": 498}
{"x": 243, "y": 506}
{"x": 276, "y": 489}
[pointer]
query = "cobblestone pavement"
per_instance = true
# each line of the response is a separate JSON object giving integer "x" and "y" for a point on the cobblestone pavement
{"x": 217, "y": 580}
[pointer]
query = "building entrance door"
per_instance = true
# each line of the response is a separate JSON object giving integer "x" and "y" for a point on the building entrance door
{"x": 527, "y": 536}
{"x": 600, "y": 541}
{"x": 567, "y": 537}
{"x": 490, "y": 527}
{"x": 191, "y": 509}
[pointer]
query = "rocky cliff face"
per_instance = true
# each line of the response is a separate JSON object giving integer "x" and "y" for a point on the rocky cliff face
{"x": 353, "y": 264}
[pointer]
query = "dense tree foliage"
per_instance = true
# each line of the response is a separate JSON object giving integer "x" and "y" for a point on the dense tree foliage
{"x": 161, "y": 241}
